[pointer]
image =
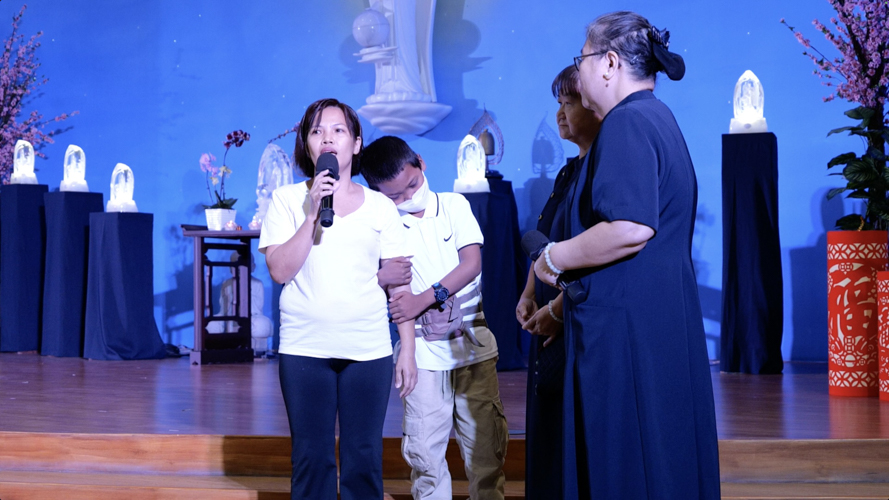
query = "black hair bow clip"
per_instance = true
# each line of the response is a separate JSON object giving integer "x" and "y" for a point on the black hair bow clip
{"x": 660, "y": 37}
{"x": 672, "y": 64}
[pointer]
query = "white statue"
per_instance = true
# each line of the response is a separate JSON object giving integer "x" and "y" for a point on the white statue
{"x": 748, "y": 104}
{"x": 23, "y": 164}
{"x": 275, "y": 170}
{"x": 404, "y": 100}
{"x": 75, "y": 170}
{"x": 371, "y": 29}
{"x": 121, "y": 190}
{"x": 471, "y": 167}
{"x": 491, "y": 139}
{"x": 260, "y": 324}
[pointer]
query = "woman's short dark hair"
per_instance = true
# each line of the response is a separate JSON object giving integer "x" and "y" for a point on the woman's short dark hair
{"x": 310, "y": 119}
{"x": 626, "y": 33}
{"x": 383, "y": 159}
{"x": 566, "y": 83}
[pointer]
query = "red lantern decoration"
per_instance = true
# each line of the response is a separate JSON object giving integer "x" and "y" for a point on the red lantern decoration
{"x": 853, "y": 260}
{"x": 883, "y": 302}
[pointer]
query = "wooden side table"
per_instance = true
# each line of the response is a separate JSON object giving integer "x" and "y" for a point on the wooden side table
{"x": 228, "y": 346}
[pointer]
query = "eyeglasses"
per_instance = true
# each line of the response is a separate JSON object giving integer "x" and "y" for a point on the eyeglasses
{"x": 578, "y": 59}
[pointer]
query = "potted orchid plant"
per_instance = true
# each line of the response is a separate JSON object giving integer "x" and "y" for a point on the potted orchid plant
{"x": 860, "y": 74}
{"x": 220, "y": 213}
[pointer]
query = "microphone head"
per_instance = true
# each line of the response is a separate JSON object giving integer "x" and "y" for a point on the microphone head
{"x": 533, "y": 242}
{"x": 327, "y": 161}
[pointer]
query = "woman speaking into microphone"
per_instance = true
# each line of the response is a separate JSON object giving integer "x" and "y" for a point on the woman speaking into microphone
{"x": 335, "y": 349}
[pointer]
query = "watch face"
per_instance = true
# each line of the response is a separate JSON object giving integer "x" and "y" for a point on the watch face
{"x": 441, "y": 294}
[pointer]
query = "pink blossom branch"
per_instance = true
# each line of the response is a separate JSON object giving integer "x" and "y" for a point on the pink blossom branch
{"x": 861, "y": 35}
{"x": 18, "y": 80}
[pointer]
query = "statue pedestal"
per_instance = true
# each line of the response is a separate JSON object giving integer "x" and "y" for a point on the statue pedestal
{"x": 752, "y": 282}
{"x": 120, "y": 289}
{"x": 504, "y": 269}
{"x": 404, "y": 117}
{"x": 67, "y": 242}
{"x": 22, "y": 247}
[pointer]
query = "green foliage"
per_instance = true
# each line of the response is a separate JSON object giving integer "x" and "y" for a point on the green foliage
{"x": 227, "y": 203}
{"x": 867, "y": 177}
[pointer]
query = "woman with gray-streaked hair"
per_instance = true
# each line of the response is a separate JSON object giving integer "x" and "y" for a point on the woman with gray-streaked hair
{"x": 639, "y": 418}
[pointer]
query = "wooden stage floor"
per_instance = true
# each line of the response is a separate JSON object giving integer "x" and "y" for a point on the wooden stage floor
{"x": 73, "y": 395}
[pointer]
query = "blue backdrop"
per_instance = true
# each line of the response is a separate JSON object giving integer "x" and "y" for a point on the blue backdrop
{"x": 158, "y": 83}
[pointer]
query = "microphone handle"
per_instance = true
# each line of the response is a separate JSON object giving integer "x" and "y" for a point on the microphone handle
{"x": 574, "y": 290}
{"x": 326, "y": 214}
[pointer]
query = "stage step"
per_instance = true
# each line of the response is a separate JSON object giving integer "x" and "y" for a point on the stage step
{"x": 804, "y": 461}
{"x": 741, "y": 461}
{"x": 183, "y": 454}
{"x": 36, "y": 466}
{"x": 158, "y": 466}
{"x": 163, "y": 454}
{"x": 72, "y": 486}
{"x": 805, "y": 491}
{"x": 76, "y": 486}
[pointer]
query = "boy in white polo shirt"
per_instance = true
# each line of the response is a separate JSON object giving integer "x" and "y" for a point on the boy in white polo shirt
{"x": 457, "y": 384}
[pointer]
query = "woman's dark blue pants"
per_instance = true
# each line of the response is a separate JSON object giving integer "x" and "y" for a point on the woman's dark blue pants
{"x": 316, "y": 391}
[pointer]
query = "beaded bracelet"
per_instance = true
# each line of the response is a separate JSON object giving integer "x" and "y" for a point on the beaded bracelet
{"x": 549, "y": 308}
{"x": 549, "y": 260}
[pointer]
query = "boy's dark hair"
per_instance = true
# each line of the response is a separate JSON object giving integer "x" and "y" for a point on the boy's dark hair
{"x": 310, "y": 120}
{"x": 383, "y": 159}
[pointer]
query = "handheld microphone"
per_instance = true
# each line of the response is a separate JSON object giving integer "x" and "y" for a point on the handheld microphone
{"x": 533, "y": 243}
{"x": 327, "y": 161}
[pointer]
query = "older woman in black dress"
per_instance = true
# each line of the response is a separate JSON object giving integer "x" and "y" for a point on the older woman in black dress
{"x": 539, "y": 309}
{"x": 639, "y": 417}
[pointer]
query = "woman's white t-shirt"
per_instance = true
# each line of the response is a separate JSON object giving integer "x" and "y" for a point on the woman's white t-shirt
{"x": 334, "y": 306}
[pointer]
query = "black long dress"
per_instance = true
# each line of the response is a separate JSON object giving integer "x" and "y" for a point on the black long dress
{"x": 639, "y": 420}
{"x": 546, "y": 367}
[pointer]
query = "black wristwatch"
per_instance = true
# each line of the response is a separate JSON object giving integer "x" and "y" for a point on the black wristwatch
{"x": 441, "y": 293}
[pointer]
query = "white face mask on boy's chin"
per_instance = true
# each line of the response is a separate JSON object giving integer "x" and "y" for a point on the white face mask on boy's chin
{"x": 419, "y": 200}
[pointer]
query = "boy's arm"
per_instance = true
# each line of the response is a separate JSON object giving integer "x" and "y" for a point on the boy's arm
{"x": 406, "y": 306}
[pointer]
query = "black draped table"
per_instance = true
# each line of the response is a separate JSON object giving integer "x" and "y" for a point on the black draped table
{"x": 64, "y": 290}
{"x": 504, "y": 268}
{"x": 120, "y": 289}
{"x": 752, "y": 284}
{"x": 22, "y": 243}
